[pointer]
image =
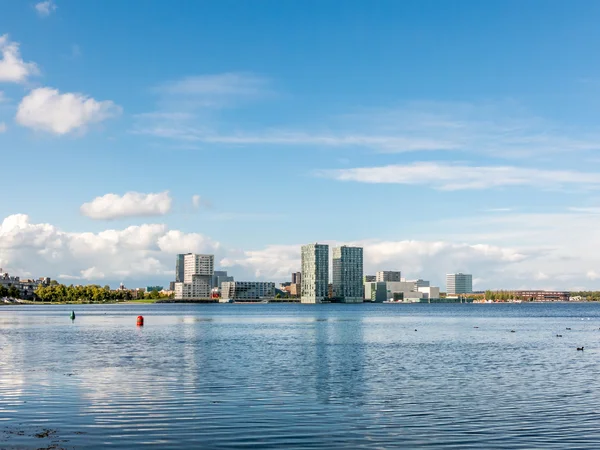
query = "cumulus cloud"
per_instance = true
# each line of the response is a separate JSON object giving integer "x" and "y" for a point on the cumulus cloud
{"x": 3, "y": 127}
{"x": 423, "y": 259}
{"x": 44, "y": 9}
{"x": 46, "y": 109}
{"x": 447, "y": 176}
{"x": 12, "y": 67}
{"x": 131, "y": 204}
{"x": 515, "y": 251}
{"x": 136, "y": 252}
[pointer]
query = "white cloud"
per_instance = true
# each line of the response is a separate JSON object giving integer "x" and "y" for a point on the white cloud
{"x": 45, "y": 8}
{"x": 131, "y": 204}
{"x": 450, "y": 177}
{"x": 550, "y": 251}
{"x": 3, "y": 97}
{"x": 46, "y": 109}
{"x": 3, "y": 127}
{"x": 12, "y": 67}
{"x": 143, "y": 252}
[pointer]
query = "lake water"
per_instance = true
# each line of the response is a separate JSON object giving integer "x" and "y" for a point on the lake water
{"x": 301, "y": 376}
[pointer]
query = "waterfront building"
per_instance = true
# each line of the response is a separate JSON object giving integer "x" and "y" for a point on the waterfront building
{"x": 179, "y": 267}
{"x": 543, "y": 296}
{"x": 25, "y": 286}
{"x": 249, "y": 291}
{"x": 429, "y": 292}
{"x": 347, "y": 265}
{"x": 198, "y": 277}
{"x": 315, "y": 273}
{"x": 459, "y": 283}
{"x": 388, "y": 275}
{"x": 375, "y": 291}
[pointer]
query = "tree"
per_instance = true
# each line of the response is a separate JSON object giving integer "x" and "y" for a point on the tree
{"x": 14, "y": 292}
{"x": 278, "y": 295}
{"x": 3, "y": 291}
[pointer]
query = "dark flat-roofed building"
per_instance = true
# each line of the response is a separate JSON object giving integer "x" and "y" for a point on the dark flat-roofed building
{"x": 544, "y": 296}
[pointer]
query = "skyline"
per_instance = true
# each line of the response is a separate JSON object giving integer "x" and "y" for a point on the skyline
{"x": 439, "y": 138}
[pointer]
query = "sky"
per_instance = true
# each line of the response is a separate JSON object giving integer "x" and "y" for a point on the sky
{"x": 442, "y": 136}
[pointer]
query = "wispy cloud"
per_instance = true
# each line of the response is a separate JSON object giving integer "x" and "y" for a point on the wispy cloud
{"x": 45, "y": 8}
{"x": 446, "y": 176}
{"x": 501, "y": 130}
{"x": 497, "y": 210}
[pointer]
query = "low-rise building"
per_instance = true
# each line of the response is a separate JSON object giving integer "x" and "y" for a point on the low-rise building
{"x": 247, "y": 290}
{"x": 375, "y": 292}
{"x": 544, "y": 296}
{"x": 25, "y": 286}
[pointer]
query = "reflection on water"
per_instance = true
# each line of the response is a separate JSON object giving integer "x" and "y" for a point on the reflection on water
{"x": 281, "y": 376}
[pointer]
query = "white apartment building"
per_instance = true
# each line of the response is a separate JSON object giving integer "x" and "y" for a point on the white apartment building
{"x": 198, "y": 277}
{"x": 459, "y": 283}
{"x": 315, "y": 273}
{"x": 247, "y": 290}
{"x": 347, "y": 280}
{"x": 388, "y": 275}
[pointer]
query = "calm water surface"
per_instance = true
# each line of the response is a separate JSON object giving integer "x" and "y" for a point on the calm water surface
{"x": 300, "y": 376}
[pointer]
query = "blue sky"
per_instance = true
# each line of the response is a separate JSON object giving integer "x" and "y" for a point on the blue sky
{"x": 442, "y": 136}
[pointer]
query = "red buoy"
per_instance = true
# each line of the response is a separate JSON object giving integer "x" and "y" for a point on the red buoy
{"x": 140, "y": 321}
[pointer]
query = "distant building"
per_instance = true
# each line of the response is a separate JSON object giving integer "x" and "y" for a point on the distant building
{"x": 295, "y": 290}
{"x": 347, "y": 265}
{"x": 544, "y": 296}
{"x": 402, "y": 290}
{"x": 420, "y": 284}
{"x": 375, "y": 291}
{"x": 315, "y": 273}
{"x": 459, "y": 283}
{"x": 219, "y": 277}
{"x": 25, "y": 286}
{"x": 154, "y": 288}
{"x": 388, "y": 275}
{"x": 297, "y": 278}
{"x": 369, "y": 278}
{"x": 429, "y": 292}
{"x": 247, "y": 290}
{"x": 198, "y": 277}
{"x": 180, "y": 267}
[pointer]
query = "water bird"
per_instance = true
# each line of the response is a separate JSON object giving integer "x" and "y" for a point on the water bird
{"x": 475, "y": 327}
{"x": 580, "y": 348}
{"x": 512, "y": 331}
{"x": 415, "y": 329}
{"x": 568, "y": 328}
{"x": 559, "y": 335}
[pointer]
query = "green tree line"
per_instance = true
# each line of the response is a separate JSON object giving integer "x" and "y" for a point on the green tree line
{"x": 92, "y": 292}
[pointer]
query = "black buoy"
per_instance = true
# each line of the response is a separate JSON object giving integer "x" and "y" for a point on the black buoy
{"x": 580, "y": 348}
{"x": 72, "y": 315}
